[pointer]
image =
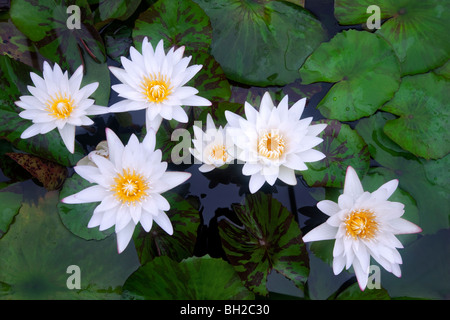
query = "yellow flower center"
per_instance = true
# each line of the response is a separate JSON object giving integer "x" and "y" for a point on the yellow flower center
{"x": 60, "y": 106}
{"x": 130, "y": 187}
{"x": 156, "y": 88}
{"x": 219, "y": 152}
{"x": 361, "y": 224}
{"x": 271, "y": 145}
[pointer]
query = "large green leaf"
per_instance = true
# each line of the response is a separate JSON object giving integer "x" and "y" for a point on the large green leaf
{"x": 37, "y": 250}
{"x": 261, "y": 42}
{"x": 353, "y": 292}
{"x": 177, "y": 22}
{"x": 75, "y": 217}
{"x": 45, "y": 23}
{"x": 11, "y": 201}
{"x": 115, "y": 9}
{"x": 362, "y": 84}
{"x": 269, "y": 239}
{"x": 185, "y": 220}
{"x": 416, "y": 176}
{"x": 195, "y": 278}
{"x": 416, "y": 29}
{"x": 422, "y": 126}
{"x": 342, "y": 147}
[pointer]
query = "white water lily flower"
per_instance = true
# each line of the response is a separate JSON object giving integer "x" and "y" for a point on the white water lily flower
{"x": 57, "y": 101}
{"x": 364, "y": 225}
{"x": 156, "y": 82}
{"x": 214, "y": 148}
{"x": 129, "y": 185}
{"x": 274, "y": 141}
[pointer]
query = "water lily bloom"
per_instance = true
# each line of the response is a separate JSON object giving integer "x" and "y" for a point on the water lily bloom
{"x": 156, "y": 82}
{"x": 57, "y": 101}
{"x": 129, "y": 184}
{"x": 364, "y": 225}
{"x": 214, "y": 148}
{"x": 274, "y": 142}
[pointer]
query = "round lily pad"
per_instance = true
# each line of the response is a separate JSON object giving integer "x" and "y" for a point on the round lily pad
{"x": 416, "y": 29}
{"x": 422, "y": 126}
{"x": 362, "y": 82}
{"x": 177, "y": 22}
{"x": 262, "y": 42}
{"x": 203, "y": 278}
{"x": 342, "y": 147}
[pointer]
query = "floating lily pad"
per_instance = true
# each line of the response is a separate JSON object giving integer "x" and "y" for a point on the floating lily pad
{"x": 49, "y": 173}
{"x": 11, "y": 200}
{"x": 75, "y": 217}
{"x": 413, "y": 173}
{"x": 416, "y": 29}
{"x": 37, "y": 251}
{"x": 185, "y": 220}
{"x": 362, "y": 84}
{"x": 115, "y": 9}
{"x": 269, "y": 239}
{"x": 342, "y": 147}
{"x": 353, "y": 292}
{"x": 46, "y": 23}
{"x": 422, "y": 126}
{"x": 262, "y": 42}
{"x": 444, "y": 70}
{"x": 195, "y": 278}
{"x": 177, "y": 22}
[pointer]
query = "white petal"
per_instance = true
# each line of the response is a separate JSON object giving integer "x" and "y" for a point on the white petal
{"x": 170, "y": 180}
{"x": 146, "y": 220}
{"x": 179, "y": 114}
{"x": 31, "y": 131}
{"x": 115, "y": 147}
{"x": 91, "y": 194}
{"x": 361, "y": 274}
{"x": 256, "y": 182}
{"x": 206, "y": 168}
{"x": 328, "y": 207}
{"x": 403, "y": 226}
{"x": 338, "y": 264}
{"x": 321, "y": 232}
{"x": 196, "y": 101}
{"x": 154, "y": 123}
{"x": 352, "y": 184}
{"x": 124, "y": 236}
{"x": 249, "y": 169}
{"x": 311, "y": 155}
{"x": 68, "y": 136}
{"x": 164, "y": 222}
{"x": 296, "y": 110}
{"x": 287, "y": 175}
{"x": 315, "y": 129}
{"x": 95, "y": 219}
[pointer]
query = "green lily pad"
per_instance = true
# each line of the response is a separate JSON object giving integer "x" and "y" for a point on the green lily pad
{"x": 342, "y": 147}
{"x": 177, "y": 22}
{"x": 269, "y": 239}
{"x": 361, "y": 84}
{"x": 11, "y": 200}
{"x": 444, "y": 70}
{"x": 37, "y": 251}
{"x": 422, "y": 126}
{"x": 115, "y": 9}
{"x": 46, "y": 22}
{"x": 416, "y": 29}
{"x": 75, "y": 217}
{"x": 195, "y": 278}
{"x": 118, "y": 41}
{"x": 414, "y": 174}
{"x": 262, "y": 42}
{"x": 185, "y": 219}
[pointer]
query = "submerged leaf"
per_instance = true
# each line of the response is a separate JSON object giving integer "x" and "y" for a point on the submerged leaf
{"x": 11, "y": 201}
{"x": 49, "y": 173}
{"x": 195, "y": 278}
{"x": 270, "y": 239}
{"x": 361, "y": 84}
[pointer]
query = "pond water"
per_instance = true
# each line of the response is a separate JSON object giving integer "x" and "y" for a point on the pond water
{"x": 38, "y": 248}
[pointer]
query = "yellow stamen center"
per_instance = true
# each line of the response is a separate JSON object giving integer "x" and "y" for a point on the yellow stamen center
{"x": 219, "y": 152}
{"x": 130, "y": 187}
{"x": 361, "y": 224}
{"x": 156, "y": 88}
{"x": 60, "y": 106}
{"x": 271, "y": 145}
